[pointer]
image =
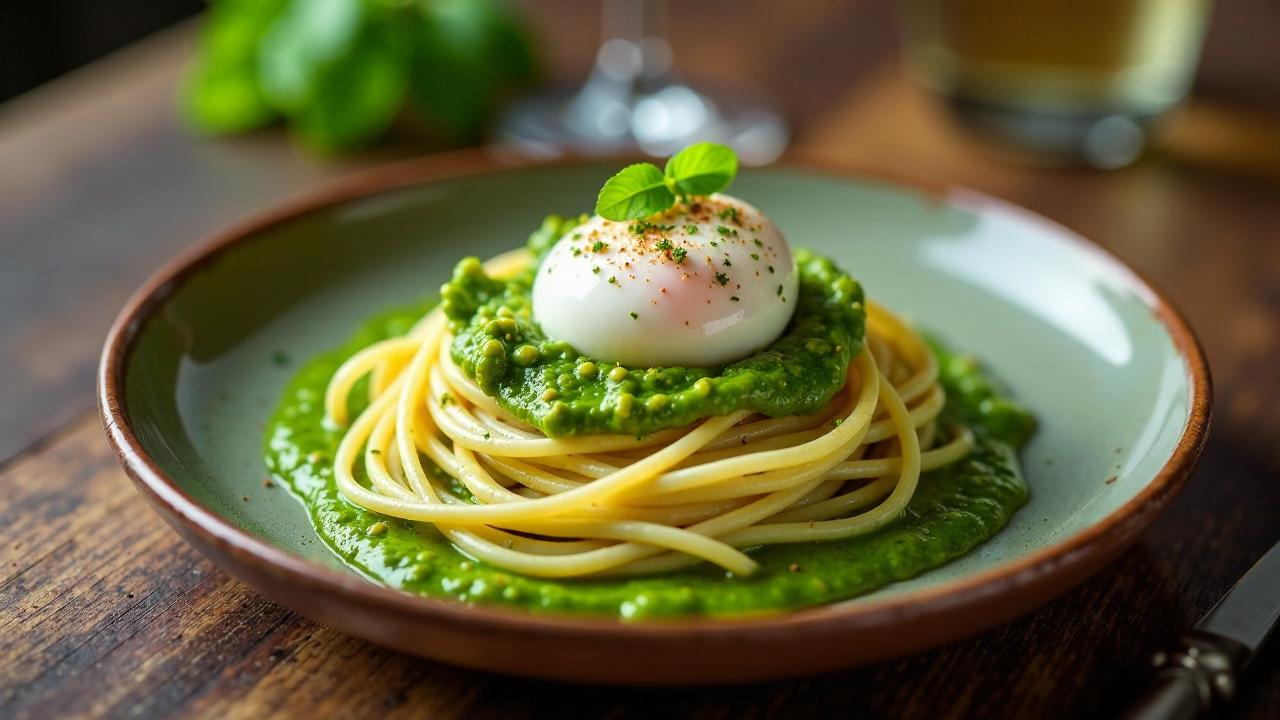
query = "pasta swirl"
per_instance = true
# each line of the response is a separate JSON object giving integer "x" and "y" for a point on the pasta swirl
{"x": 432, "y": 447}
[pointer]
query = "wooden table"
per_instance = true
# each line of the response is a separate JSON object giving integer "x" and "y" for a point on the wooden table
{"x": 104, "y": 611}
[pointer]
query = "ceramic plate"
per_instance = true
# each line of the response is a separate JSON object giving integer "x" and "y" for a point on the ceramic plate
{"x": 192, "y": 369}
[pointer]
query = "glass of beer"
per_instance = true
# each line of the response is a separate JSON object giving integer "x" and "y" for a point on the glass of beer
{"x": 1061, "y": 80}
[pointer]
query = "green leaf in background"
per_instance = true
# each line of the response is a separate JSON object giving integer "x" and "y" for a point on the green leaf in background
{"x": 337, "y": 69}
{"x": 221, "y": 94}
{"x": 309, "y": 37}
{"x": 702, "y": 169}
{"x": 357, "y": 99}
{"x": 340, "y": 72}
{"x": 467, "y": 56}
{"x": 635, "y": 193}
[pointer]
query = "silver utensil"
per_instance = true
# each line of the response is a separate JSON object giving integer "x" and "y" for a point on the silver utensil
{"x": 1201, "y": 671}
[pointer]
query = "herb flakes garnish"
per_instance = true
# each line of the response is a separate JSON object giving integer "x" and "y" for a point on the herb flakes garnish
{"x": 722, "y": 279}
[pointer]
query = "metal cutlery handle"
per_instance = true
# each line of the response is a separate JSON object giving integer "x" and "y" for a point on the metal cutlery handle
{"x": 1195, "y": 676}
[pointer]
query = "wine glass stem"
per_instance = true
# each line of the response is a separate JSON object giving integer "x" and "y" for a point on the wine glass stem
{"x": 635, "y": 43}
{"x": 634, "y": 20}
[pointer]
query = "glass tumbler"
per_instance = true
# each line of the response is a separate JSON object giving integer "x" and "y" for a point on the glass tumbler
{"x": 1059, "y": 80}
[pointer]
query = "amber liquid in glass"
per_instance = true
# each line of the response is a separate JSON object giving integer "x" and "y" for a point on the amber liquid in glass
{"x": 1044, "y": 74}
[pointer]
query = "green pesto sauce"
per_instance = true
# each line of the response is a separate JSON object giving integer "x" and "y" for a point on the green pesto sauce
{"x": 954, "y": 509}
{"x": 549, "y": 385}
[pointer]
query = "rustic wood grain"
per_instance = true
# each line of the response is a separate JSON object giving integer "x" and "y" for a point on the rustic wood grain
{"x": 105, "y": 612}
{"x": 99, "y": 184}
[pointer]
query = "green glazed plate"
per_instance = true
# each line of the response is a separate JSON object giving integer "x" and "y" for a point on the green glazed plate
{"x": 199, "y": 357}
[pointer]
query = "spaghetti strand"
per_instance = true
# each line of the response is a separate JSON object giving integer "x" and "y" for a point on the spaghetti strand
{"x": 612, "y": 504}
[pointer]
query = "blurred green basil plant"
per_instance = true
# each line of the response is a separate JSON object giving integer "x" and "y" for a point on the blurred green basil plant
{"x": 341, "y": 71}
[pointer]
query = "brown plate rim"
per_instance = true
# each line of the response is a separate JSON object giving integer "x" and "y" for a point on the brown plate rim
{"x": 989, "y": 597}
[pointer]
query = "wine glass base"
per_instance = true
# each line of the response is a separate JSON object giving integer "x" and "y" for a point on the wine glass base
{"x": 594, "y": 121}
{"x": 1103, "y": 137}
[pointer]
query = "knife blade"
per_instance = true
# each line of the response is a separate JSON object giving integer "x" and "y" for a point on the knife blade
{"x": 1250, "y": 610}
{"x": 1201, "y": 671}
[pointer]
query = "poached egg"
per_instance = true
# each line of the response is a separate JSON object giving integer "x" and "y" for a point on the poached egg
{"x": 703, "y": 284}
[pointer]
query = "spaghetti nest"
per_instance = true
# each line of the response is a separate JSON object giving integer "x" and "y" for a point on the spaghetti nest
{"x": 432, "y": 447}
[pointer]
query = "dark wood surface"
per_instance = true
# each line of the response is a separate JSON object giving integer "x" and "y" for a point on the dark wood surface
{"x": 105, "y": 612}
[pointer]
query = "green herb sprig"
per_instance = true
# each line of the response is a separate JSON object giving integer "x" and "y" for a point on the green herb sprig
{"x": 641, "y": 190}
{"x": 341, "y": 72}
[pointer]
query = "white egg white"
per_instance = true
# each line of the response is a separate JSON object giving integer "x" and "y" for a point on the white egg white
{"x": 704, "y": 284}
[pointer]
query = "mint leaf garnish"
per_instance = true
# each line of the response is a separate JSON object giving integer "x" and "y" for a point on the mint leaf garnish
{"x": 641, "y": 190}
{"x": 636, "y": 192}
{"x": 702, "y": 169}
